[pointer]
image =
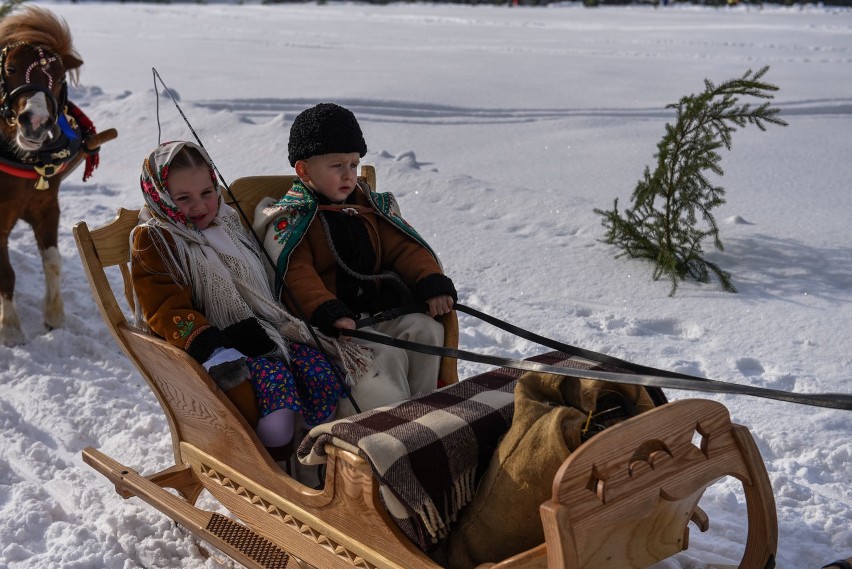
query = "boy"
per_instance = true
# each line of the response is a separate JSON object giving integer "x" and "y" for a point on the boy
{"x": 345, "y": 252}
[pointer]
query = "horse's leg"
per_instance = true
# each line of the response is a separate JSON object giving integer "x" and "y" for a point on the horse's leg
{"x": 10, "y": 325}
{"x": 46, "y": 228}
{"x": 54, "y": 308}
{"x": 45, "y": 224}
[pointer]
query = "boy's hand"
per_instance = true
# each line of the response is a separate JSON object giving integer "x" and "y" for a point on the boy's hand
{"x": 439, "y": 305}
{"x": 344, "y": 324}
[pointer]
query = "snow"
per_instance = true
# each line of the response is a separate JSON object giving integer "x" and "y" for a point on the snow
{"x": 499, "y": 130}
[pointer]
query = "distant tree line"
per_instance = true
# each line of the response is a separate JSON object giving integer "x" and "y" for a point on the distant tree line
{"x": 756, "y": 3}
{"x": 7, "y": 6}
{"x": 594, "y": 3}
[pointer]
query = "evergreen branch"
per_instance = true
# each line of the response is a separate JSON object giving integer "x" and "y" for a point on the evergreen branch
{"x": 662, "y": 225}
{"x": 8, "y": 6}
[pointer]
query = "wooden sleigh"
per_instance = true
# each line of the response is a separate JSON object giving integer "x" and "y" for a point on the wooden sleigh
{"x": 623, "y": 500}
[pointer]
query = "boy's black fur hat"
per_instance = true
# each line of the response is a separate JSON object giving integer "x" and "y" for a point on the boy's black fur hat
{"x": 324, "y": 129}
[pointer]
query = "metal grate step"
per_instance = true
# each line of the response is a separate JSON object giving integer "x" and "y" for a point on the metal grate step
{"x": 257, "y": 548}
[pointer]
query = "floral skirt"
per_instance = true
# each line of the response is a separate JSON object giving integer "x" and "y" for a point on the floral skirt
{"x": 308, "y": 385}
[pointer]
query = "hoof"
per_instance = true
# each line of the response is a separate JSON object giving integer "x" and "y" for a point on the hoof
{"x": 54, "y": 323}
{"x": 54, "y": 314}
{"x": 10, "y": 336}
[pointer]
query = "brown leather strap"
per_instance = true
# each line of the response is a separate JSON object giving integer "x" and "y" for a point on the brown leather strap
{"x": 828, "y": 400}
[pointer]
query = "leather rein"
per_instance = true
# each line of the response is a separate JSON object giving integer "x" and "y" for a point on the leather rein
{"x": 633, "y": 374}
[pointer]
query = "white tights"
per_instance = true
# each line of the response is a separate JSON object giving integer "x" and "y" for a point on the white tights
{"x": 276, "y": 429}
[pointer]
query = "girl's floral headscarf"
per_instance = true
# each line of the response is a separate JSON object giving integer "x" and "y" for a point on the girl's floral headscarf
{"x": 155, "y": 182}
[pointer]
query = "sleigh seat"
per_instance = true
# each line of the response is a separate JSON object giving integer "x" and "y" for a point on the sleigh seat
{"x": 622, "y": 500}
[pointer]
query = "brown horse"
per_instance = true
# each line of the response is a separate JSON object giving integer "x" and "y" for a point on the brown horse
{"x": 43, "y": 137}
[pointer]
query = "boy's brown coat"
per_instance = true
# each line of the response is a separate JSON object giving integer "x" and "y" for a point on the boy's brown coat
{"x": 312, "y": 271}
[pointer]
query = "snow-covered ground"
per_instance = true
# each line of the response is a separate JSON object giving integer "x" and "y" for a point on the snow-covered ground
{"x": 499, "y": 130}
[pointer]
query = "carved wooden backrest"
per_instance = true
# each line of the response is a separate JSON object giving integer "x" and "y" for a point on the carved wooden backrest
{"x": 624, "y": 498}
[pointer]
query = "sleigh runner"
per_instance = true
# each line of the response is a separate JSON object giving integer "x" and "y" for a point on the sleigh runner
{"x": 623, "y": 499}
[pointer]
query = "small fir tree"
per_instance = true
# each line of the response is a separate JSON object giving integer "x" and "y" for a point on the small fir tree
{"x": 662, "y": 226}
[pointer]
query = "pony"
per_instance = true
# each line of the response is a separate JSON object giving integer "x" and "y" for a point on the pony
{"x": 43, "y": 137}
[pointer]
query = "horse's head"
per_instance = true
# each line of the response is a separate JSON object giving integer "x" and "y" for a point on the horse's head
{"x": 36, "y": 53}
{"x": 33, "y": 91}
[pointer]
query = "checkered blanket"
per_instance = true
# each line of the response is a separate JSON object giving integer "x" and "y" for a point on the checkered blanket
{"x": 428, "y": 452}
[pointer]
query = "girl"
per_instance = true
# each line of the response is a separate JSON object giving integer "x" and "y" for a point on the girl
{"x": 201, "y": 284}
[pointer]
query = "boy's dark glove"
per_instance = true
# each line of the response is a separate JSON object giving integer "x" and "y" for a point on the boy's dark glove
{"x": 434, "y": 285}
{"x": 329, "y": 331}
{"x": 329, "y": 312}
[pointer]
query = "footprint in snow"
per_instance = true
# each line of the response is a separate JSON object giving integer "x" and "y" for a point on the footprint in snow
{"x": 750, "y": 367}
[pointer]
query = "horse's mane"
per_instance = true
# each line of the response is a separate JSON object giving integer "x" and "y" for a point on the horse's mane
{"x": 42, "y": 27}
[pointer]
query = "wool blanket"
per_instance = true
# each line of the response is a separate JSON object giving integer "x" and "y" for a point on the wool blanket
{"x": 429, "y": 452}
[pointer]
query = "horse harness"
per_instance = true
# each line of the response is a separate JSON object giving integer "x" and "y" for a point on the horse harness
{"x": 51, "y": 159}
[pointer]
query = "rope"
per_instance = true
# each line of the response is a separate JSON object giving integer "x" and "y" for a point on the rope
{"x": 569, "y": 349}
{"x": 384, "y": 275}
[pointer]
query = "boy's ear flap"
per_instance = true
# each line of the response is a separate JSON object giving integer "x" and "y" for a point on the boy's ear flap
{"x": 301, "y": 169}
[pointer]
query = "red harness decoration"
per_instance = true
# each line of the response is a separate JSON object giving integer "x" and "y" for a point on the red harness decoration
{"x": 10, "y": 168}
{"x": 87, "y": 129}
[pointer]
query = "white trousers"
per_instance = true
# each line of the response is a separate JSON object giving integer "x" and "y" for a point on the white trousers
{"x": 398, "y": 374}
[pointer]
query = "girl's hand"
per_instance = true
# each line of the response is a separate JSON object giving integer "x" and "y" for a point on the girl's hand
{"x": 439, "y": 305}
